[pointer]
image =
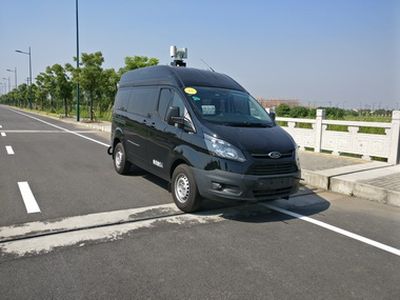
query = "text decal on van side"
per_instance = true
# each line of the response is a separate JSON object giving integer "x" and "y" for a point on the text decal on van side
{"x": 158, "y": 163}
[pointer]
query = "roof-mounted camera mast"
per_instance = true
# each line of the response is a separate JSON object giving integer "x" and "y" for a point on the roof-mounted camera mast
{"x": 178, "y": 55}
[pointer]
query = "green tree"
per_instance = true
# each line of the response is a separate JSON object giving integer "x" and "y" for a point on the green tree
{"x": 41, "y": 92}
{"x": 23, "y": 95}
{"x": 298, "y": 112}
{"x": 312, "y": 113}
{"x": 47, "y": 84}
{"x": 334, "y": 113}
{"x": 90, "y": 77}
{"x": 63, "y": 86}
{"x": 136, "y": 62}
{"x": 110, "y": 80}
{"x": 282, "y": 110}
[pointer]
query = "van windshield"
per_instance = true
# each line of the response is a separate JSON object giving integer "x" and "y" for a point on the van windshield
{"x": 228, "y": 107}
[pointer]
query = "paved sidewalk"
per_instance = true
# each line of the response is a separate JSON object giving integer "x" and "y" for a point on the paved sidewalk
{"x": 371, "y": 180}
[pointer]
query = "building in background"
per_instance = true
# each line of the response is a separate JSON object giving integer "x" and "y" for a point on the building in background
{"x": 272, "y": 103}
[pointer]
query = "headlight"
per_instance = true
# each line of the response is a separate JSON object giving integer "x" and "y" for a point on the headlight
{"x": 296, "y": 153}
{"x": 223, "y": 149}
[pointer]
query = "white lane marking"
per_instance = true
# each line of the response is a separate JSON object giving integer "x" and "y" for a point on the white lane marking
{"x": 10, "y": 150}
{"x": 349, "y": 234}
{"x": 45, "y": 131}
{"x": 28, "y": 198}
{"x": 61, "y": 128}
{"x": 1, "y": 126}
{"x": 3, "y": 134}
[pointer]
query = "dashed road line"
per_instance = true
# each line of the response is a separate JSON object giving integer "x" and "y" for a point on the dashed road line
{"x": 61, "y": 128}
{"x": 1, "y": 126}
{"x": 28, "y": 198}
{"x": 45, "y": 131}
{"x": 338, "y": 230}
{"x": 3, "y": 133}
{"x": 10, "y": 150}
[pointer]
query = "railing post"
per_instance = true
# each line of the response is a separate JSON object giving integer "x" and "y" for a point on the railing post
{"x": 318, "y": 129}
{"x": 394, "y": 156}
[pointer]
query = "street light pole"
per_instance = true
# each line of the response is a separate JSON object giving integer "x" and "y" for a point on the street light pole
{"x": 77, "y": 64}
{"x": 7, "y": 80}
{"x": 30, "y": 67}
{"x": 15, "y": 74}
{"x": 5, "y": 84}
{"x": 30, "y": 73}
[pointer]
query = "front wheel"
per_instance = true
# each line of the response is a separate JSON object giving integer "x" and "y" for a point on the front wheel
{"x": 184, "y": 189}
{"x": 121, "y": 164}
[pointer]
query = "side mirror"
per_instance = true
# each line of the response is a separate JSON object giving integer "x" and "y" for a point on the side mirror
{"x": 272, "y": 115}
{"x": 173, "y": 115}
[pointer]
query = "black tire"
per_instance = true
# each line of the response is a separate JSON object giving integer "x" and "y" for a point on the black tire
{"x": 184, "y": 189}
{"x": 121, "y": 165}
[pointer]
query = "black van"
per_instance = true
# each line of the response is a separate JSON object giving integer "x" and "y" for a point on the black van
{"x": 202, "y": 132}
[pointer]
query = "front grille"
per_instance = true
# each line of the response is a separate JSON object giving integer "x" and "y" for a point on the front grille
{"x": 271, "y": 193}
{"x": 272, "y": 168}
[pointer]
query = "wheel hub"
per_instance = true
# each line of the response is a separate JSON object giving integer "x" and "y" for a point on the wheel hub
{"x": 182, "y": 188}
{"x": 118, "y": 158}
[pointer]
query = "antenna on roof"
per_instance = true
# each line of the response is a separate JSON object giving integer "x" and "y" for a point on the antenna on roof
{"x": 178, "y": 55}
{"x": 212, "y": 70}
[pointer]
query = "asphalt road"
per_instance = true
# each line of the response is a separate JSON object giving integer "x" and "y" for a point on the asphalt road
{"x": 100, "y": 235}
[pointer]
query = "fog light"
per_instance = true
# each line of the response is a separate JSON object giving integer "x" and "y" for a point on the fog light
{"x": 216, "y": 186}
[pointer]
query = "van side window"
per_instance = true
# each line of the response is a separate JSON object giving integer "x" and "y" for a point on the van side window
{"x": 169, "y": 98}
{"x": 122, "y": 99}
{"x": 177, "y": 101}
{"x": 143, "y": 100}
{"x": 165, "y": 97}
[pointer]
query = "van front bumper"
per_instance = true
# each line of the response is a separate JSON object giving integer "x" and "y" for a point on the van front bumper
{"x": 220, "y": 185}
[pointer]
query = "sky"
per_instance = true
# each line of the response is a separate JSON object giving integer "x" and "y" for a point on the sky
{"x": 323, "y": 52}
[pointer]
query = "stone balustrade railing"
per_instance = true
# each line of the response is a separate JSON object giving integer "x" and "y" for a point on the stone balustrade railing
{"x": 319, "y": 136}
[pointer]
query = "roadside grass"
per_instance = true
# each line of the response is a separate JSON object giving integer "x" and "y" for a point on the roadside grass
{"x": 84, "y": 114}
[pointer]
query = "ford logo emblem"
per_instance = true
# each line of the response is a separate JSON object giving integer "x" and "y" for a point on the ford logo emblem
{"x": 274, "y": 154}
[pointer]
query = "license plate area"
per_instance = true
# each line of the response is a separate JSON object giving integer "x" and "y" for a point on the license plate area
{"x": 274, "y": 183}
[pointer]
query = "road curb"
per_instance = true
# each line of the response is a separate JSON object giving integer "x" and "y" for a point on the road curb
{"x": 365, "y": 191}
{"x": 349, "y": 181}
{"x": 321, "y": 178}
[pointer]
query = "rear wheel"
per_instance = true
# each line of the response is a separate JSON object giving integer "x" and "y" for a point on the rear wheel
{"x": 121, "y": 165}
{"x": 184, "y": 189}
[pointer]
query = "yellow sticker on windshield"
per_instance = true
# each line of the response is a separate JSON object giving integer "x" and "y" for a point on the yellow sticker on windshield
{"x": 190, "y": 91}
